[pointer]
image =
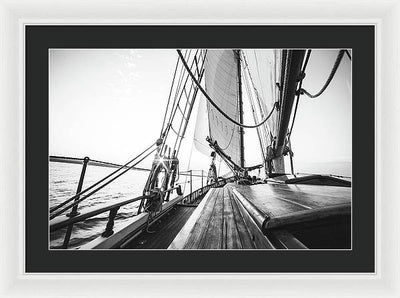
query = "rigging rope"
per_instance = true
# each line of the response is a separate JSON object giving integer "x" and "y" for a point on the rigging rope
{"x": 76, "y": 202}
{"x": 177, "y": 134}
{"x": 230, "y": 140}
{"x": 188, "y": 166}
{"x": 169, "y": 97}
{"x": 233, "y": 128}
{"x": 101, "y": 180}
{"x": 189, "y": 104}
{"x": 303, "y": 73}
{"x": 348, "y": 54}
{"x": 298, "y": 94}
{"x": 179, "y": 92}
{"x": 260, "y": 133}
{"x": 176, "y": 97}
{"x": 215, "y": 105}
{"x": 258, "y": 70}
{"x": 302, "y": 91}
{"x": 328, "y": 81}
{"x": 253, "y": 85}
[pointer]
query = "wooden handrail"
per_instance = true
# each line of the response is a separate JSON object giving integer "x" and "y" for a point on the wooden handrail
{"x": 63, "y": 221}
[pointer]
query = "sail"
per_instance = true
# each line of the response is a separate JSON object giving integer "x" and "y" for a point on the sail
{"x": 202, "y": 128}
{"x": 261, "y": 68}
{"x": 264, "y": 69}
{"x": 221, "y": 83}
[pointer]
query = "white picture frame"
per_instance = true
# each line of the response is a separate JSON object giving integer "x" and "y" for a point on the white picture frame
{"x": 385, "y": 16}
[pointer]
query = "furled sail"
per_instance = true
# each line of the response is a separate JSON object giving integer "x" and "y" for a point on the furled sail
{"x": 221, "y": 84}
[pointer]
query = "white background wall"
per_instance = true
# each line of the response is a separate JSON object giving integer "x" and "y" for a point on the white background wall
{"x": 385, "y": 13}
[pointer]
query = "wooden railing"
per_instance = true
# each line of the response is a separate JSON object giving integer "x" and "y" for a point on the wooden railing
{"x": 113, "y": 207}
{"x": 63, "y": 221}
{"x": 193, "y": 196}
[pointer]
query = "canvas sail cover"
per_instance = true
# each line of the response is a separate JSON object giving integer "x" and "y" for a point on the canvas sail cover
{"x": 221, "y": 84}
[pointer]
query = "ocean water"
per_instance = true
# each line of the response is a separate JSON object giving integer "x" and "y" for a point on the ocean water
{"x": 327, "y": 168}
{"x": 63, "y": 182}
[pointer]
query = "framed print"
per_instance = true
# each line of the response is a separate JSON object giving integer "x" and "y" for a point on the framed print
{"x": 251, "y": 214}
{"x": 201, "y": 153}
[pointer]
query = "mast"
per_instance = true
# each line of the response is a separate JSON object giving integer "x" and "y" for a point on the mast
{"x": 291, "y": 69}
{"x": 241, "y": 132}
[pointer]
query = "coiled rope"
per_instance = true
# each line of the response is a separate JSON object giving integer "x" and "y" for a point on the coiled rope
{"x": 328, "y": 81}
{"x": 215, "y": 105}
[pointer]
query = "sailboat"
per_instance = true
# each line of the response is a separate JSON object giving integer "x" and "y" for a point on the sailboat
{"x": 279, "y": 209}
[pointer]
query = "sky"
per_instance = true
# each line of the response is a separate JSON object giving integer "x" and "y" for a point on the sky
{"x": 109, "y": 104}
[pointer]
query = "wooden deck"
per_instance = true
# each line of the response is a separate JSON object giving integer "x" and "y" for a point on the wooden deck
{"x": 220, "y": 222}
{"x": 311, "y": 216}
{"x": 260, "y": 217}
{"x": 277, "y": 200}
{"x": 165, "y": 230}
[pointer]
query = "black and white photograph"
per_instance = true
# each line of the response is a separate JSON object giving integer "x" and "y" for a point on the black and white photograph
{"x": 200, "y": 149}
{"x": 187, "y": 149}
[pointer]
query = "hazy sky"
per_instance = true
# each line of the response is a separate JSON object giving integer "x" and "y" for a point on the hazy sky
{"x": 109, "y": 105}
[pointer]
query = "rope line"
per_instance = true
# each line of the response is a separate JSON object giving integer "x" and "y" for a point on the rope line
{"x": 252, "y": 83}
{"x": 176, "y": 97}
{"x": 258, "y": 70}
{"x": 328, "y": 81}
{"x": 169, "y": 97}
{"x": 98, "y": 188}
{"x": 348, "y": 54}
{"x": 188, "y": 166}
{"x": 194, "y": 96}
{"x": 233, "y": 128}
{"x": 260, "y": 132}
{"x": 298, "y": 95}
{"x": 178, "y": 135}
{"x": 183, "y": 81}
{"x": 188, "y": 105}
{"x": 101, "y": 180}
{"x": 215, "y": 105}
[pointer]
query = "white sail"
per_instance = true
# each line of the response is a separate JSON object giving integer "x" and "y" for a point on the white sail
{"x": 265, "y": 69}
{"x": 202, "y": 128}
{"x": 221, "y": 83}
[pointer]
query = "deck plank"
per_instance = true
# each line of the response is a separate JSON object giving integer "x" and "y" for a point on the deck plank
{"x": 244, "y": 235}
{"x": 230, "y": 232}
{"x": 200, "y": 227}
{"x": 214, "y": 233}
{"x": 166, "y": 229}
{"x": 221, "y": 225}
{"x": 225, "y": 223}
